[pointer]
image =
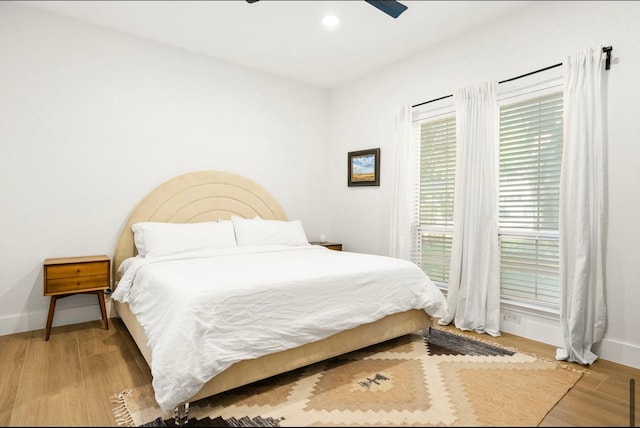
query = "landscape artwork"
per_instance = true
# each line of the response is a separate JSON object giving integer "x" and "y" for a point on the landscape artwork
{"x": 364, "y": 168}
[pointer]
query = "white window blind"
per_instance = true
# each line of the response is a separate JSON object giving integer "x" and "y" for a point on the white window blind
{"x": 437, "y": 148}
{"x": 530, "y": 157}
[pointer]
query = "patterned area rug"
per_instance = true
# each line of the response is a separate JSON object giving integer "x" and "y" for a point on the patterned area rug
{"x": 443, "y": 379}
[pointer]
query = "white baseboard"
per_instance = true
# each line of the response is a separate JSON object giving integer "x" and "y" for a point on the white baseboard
{"x": 621, "y": 353}
{"x": 541, "y": 329}
{"x": 548, "y": 330}
{"x": 63, "y": 316}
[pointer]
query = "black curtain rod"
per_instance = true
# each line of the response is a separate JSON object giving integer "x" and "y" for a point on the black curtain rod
{"x": 606, "y": 49}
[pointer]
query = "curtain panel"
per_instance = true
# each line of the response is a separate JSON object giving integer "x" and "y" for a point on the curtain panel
{"x": 403, "y": 188}
{"x": 474, "y": 276}
{"x": 582, "y": 303}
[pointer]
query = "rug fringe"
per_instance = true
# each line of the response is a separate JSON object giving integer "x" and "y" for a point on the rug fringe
{"x": 121, "y": 411}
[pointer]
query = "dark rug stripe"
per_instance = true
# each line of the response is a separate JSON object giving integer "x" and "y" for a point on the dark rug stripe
{"x": 440, "y": 342}
{"x": 193, "y": 422}
{"x": 246, "y": 421}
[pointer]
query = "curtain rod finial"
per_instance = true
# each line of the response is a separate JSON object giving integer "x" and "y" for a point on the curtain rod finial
{"x": 607, "y": 50}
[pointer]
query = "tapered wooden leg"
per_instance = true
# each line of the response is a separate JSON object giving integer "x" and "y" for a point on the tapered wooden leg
{"x": 52, "y": 308}
{"x": 103, "y": 309}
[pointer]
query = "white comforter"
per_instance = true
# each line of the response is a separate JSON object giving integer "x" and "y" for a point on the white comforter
{"x": 204, "y": 312}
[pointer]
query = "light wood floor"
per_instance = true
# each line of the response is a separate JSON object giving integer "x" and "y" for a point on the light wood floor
{"x": 68, "y": 380}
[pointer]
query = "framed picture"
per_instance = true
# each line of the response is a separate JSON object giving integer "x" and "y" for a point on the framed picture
{"x": 364, "y": 168}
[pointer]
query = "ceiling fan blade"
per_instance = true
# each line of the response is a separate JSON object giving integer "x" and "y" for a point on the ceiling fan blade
{"x": 390, "y": 7}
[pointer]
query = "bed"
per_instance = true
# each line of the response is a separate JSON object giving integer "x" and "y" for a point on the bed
{"x": 219, "y": 199}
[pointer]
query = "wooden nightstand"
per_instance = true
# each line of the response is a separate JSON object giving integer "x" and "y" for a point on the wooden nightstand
{"x": 330, "y": 245}
{"x": 66, "y": 276}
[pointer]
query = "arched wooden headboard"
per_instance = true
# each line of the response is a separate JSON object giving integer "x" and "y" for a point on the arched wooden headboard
{"x": 195, "y": 197}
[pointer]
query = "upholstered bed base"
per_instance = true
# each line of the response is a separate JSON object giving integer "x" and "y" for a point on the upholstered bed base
{"x": 214, "y": 195}
{"x": 245, "y": 372}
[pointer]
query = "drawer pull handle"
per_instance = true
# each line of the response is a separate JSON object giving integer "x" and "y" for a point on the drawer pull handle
{"x": 78, "y": 271}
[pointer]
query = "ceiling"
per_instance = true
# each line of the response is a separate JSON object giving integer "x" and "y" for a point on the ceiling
{"x": 285, "y": 37}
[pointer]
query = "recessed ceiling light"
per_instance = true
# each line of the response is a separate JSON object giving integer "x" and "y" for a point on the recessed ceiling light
{"x": 330, "y": 21}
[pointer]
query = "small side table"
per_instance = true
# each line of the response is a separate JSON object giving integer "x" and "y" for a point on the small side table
{"x": 73, "y": 275}
{"x": 330, "y": 245}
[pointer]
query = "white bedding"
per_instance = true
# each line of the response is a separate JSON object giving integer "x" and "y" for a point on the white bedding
{"x": 203, "y": 312}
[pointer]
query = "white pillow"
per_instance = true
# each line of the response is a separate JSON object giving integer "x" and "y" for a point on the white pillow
{"x": 268, "y": 232}
{"x": 156, "y": 239}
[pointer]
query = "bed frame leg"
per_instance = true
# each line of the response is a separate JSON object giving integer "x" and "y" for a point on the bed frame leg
{"x": 426, "y": 332}
{"x": 182, "y": 414}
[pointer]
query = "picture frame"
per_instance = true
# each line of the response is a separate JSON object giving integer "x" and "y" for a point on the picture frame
{"x": 363, "y": 168}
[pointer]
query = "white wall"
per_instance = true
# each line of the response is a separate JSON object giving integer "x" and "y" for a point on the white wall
{"x": 537, "y": 35}
{"x": 91, "y": 120}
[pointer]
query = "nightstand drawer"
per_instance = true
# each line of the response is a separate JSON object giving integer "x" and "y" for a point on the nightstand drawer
{"x": 330, "y": 245}
{"x": 336, "y": 247}
{"x": 71, "y": 285}
{"x": 76, "y": 270}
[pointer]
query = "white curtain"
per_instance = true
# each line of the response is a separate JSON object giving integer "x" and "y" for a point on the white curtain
{"x": 403, "y": 192}
{"x": 582, "y": 307}
{"x": 474, "y": 276}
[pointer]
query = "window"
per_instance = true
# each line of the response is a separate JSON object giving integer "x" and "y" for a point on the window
{"x": 530, "y": 155}
{"x": 529, "y": 194}
{"x": 437, "y": 178}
